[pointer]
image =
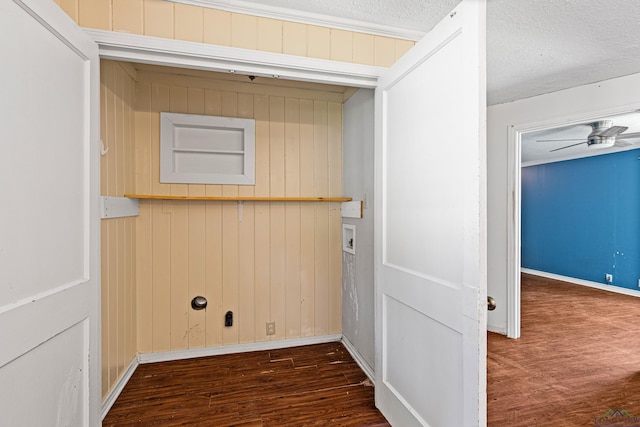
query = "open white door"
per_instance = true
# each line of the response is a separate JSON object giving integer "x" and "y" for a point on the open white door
{"x": 49, "y": 222}
{"x": 431, "y": 228}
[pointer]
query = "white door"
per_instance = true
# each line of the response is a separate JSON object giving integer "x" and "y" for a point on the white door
{"x": 431, "y": 228}
{"x": 49, "y": 259}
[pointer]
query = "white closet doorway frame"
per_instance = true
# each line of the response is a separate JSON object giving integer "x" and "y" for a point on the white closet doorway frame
{"x": 176, "y": 53}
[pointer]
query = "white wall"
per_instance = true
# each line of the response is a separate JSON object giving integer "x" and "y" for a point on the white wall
{"x": 357, "y": 270}
{"x": 575, "y": 104}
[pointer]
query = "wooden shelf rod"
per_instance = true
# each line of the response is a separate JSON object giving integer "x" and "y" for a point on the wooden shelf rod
{"x": 240, "y": 199}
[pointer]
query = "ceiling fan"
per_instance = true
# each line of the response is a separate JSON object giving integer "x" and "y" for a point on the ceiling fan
{"x": 603, "y": 135}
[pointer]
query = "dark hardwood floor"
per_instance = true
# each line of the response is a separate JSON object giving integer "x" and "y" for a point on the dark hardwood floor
{"x": 317, "y": 385}
{"x": 578, "y": 357}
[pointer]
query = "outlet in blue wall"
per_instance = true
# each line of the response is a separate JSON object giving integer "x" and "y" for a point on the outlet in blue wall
{"x": 581, "y": 218}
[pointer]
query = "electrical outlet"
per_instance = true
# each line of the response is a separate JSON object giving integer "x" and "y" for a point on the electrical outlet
{"x": 608, "y": 278}
{"x": 271, "y": 328}
{"x": 639, "y": 283}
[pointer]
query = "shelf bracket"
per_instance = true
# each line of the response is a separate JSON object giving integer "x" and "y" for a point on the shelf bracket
{"x": 240, "y": 210}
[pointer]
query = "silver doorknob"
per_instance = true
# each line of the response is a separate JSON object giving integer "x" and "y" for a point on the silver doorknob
{"x": 491, "y": 304}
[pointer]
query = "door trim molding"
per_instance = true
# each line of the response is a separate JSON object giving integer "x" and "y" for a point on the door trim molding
{"x": 178, "y": 53}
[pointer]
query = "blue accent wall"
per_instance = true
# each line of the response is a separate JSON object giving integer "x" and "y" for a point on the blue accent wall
{"x": 581, "y": 218}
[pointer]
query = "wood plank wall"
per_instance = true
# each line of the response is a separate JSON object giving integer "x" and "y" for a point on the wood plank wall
{"x": 191, "y": 23}
{"x": 284, "y": 258}
{"x": 117, "y": 235}
{"x": 281, "y": 262}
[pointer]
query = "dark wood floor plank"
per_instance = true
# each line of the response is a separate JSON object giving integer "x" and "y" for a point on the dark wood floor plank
{"x": 578, "y": 356}
{"x": 318, "y": 385}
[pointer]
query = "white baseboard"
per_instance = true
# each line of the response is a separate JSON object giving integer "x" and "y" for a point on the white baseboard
{"x": 497, "y": 329}
{"x": 119, "y": 386}
{"x": 166, "y": 356}
{"x": 582, "y": 282}
{"x": 359, "y": 359}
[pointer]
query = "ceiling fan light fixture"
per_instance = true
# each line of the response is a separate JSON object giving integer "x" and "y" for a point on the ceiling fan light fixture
{"x": 600, "y": 141}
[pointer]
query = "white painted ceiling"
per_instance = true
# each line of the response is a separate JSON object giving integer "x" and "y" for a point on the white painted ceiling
{"x": 533, "y": 47}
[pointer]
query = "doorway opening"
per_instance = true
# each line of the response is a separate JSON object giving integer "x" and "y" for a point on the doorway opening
{"x": 553, "y": 145}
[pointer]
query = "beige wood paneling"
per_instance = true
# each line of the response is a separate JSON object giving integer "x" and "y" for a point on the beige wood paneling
{"x": 364, "y": 49}
{"x": 230, "y": 243}
{"x": 246, "y": 318}
{"x": 240, "y": 84}
{"x": 321, "y": 225}
{"x": 158, "y": 18}
{"x": 294, "y": 38}
{"x": 318, "y": 42}
{"x": 94, "y": 14}
{"x": 255, "y": 263}
{"x": 217, "y": 27}
{"x": 70, "y": 7}
{"x": 384, "y": 49}
{"x": 246, "y": 238}
{"x": 334, "y": 155}
{"x": 104, "y": 309}
{"x": 273, "y": 240}
{"x": 160, "y": 298}
{"x": 118, "y": 236}
{"x": 341, "y": 45}
{"x": 160, "y": 101}
{"x": 307, "y": 221}
{"x": 191, "y": 23}
{"x": 276, "y": 212}
{"x": 213, "y": 273}
{"x": 244, "y": 31}
{"x": 281, "y": 261}
{"x": 262, "y": 305}
{"x": 128, "y": 16}
{"x": 401, "y": 47}
{"x": 270, "y": 35}
{"x": 144, "y": 270}
{"x": 292, "y": 218}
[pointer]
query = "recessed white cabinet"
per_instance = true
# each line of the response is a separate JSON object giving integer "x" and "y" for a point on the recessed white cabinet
{"x": 197, "y": 149}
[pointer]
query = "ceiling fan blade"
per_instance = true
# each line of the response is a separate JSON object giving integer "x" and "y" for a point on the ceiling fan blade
{"x": 622, "y": 143}
{"x": 567, "y": 146}
{"x": 630, "y": 135}
{"x": 612, "y": 131}
{"x": 558, "y": 140}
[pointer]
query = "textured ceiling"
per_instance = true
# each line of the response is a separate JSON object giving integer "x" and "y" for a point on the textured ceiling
{"x": 541, "y": 46}
{"x": 533, "y": 47}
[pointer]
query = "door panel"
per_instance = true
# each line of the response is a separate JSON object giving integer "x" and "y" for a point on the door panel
{"x": 431, "y": 228}
{"x": 439, "y": 404}
{"x": 58, "y": 394}
{"x": 49, "y": 270}
{"x": 44, "y": 132}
